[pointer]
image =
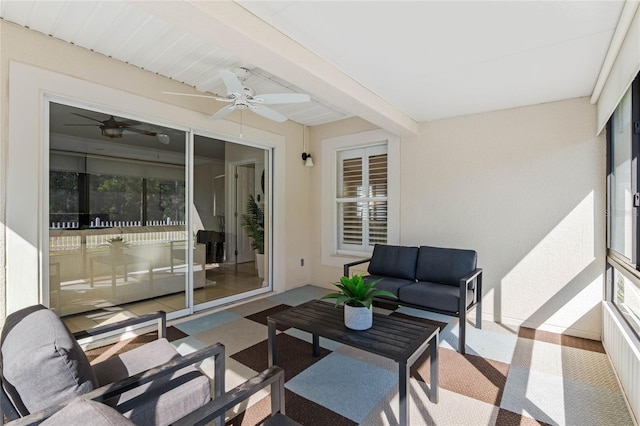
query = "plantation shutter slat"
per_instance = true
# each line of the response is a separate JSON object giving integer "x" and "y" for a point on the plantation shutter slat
{"x": 378, "y": 175}
{"x": 351, "y": 223}
{"x": 351, "y": 177}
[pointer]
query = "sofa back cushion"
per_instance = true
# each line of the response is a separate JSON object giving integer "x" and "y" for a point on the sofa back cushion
{"x": 394, "y": 261}
{"x": 42, "y": 363}
{"x": 444, "y": 265}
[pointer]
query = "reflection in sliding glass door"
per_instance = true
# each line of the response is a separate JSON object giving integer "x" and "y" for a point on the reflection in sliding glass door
{"x": 227, "y": 176}
{"x": 117, "y": 225}
{"x": 118, "y": 236}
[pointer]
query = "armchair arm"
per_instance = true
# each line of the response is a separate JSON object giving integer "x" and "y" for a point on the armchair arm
{"x": 349, "y": 265}
{"x": 160, "y": 316}
{"x": 110, "y": 390}
{"x": 217, "y": 407}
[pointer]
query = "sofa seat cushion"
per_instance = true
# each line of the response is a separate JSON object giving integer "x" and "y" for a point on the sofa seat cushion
{"x": 47, "y": 368}
{"x": 162, "y": 401}
{"x": 386, "y": 283}
{"x": 394, "y": 261}
{"x": 442, "y": 297}
{"x": 444, "y": 265}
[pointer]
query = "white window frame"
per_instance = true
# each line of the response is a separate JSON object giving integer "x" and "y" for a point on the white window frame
{"x": 329, "y": 219}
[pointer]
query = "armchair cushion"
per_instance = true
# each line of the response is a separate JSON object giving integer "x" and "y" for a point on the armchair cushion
{"x": 56, "y": 369}
{"x": 137, "y": 360}
{"x": 159, "y": 402}
{"x": 394, "y": 261}
{"x": 444, "y": 265}
{"x": 80, "y": 410}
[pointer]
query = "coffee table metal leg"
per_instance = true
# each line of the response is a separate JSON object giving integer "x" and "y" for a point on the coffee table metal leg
{"x": 316, "y": 345}
{"x": 434, "y": 368}
{"x": 403, "y": 387}
{"x": 271, "y": 343}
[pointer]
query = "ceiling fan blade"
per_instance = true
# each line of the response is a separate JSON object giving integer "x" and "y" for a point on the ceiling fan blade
{"x": 162, "y": 137}
{"x": 234, "y": 85}
{"x": 140, "y": 131}
{"x": 268, "y": 113}
{"x": 127, "y": 123}
{"x": 223, "y": 112}
{"x": 282, "y": 98}
{"x": 219, "y": 98}
{"x": 84, "y": 116}
{"x": 84, "y": 125}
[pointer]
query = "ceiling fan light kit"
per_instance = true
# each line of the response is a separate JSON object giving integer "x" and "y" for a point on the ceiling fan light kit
{"x": 111, "y": 132}
{"x": 163, "y": 138}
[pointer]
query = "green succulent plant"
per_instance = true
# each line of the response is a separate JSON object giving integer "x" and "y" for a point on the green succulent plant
{"x": 356, "y": 292}
{"x": 117, "y": 243}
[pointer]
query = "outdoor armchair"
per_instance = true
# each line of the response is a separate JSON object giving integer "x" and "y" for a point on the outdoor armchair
{"x": 44, "y": 368}
{"x": 79, "y": 409}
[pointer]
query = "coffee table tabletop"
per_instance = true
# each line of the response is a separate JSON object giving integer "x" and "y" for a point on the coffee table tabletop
{"x": 399, "y": 339}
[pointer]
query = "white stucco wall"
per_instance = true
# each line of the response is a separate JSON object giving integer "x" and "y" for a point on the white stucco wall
{"x": 526, "y": 189}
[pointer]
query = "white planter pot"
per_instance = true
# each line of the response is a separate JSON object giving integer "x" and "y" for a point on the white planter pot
{"x": 260, "y": 264}
{"x": 358, "y": 318}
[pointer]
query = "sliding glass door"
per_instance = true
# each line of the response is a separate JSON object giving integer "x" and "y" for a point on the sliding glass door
{"x": 118, "y": 237}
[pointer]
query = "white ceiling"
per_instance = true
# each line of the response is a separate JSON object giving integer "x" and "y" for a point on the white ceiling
{"x": 394, "y": 63}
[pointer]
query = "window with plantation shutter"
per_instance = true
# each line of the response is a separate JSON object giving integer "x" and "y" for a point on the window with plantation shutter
{"x": 361, "y": 198}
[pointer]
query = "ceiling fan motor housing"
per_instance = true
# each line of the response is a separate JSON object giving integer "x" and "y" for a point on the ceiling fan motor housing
{"x": 249, "y": 92}
{"x": 242, "y": 73}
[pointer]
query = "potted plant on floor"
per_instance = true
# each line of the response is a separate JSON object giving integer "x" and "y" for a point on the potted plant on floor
{"x": 253, "y": 224}
{"x": 357, "y": 296}
{"x": 116, "y": 247}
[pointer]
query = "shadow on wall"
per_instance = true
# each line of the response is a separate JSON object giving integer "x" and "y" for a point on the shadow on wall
{"x": 527, "y": 193}
{"x": 558, "y": 284}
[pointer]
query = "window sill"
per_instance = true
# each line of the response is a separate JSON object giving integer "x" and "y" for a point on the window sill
{"x": 338, "y": 260}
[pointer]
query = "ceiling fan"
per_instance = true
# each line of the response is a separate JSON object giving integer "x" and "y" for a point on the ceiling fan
{"x": 113, "y": 128}
{"x": 242, "y": 97}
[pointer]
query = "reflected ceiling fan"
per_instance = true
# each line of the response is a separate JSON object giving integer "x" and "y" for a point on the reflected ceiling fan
{"x": 113, "y": 128}
{"x": 242, "y": 97}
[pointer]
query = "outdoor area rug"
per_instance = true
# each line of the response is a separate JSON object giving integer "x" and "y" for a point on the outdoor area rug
{"x": 508, "y": 376}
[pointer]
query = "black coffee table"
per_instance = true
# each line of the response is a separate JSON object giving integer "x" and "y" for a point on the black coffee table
{"x": 399, "y": 339}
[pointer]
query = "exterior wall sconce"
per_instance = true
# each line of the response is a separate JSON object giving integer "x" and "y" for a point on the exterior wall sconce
{"x": 308, "y": 161}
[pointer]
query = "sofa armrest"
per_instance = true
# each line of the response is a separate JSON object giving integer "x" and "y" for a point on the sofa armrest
{"x": 160, "y": 316}
{"x": 112, "y": 389}
{"x": 468, "y": 279}
{"x": 217, "y": 407}
{"x": 466, "y": 284}
{"x": 349, "y": 265}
